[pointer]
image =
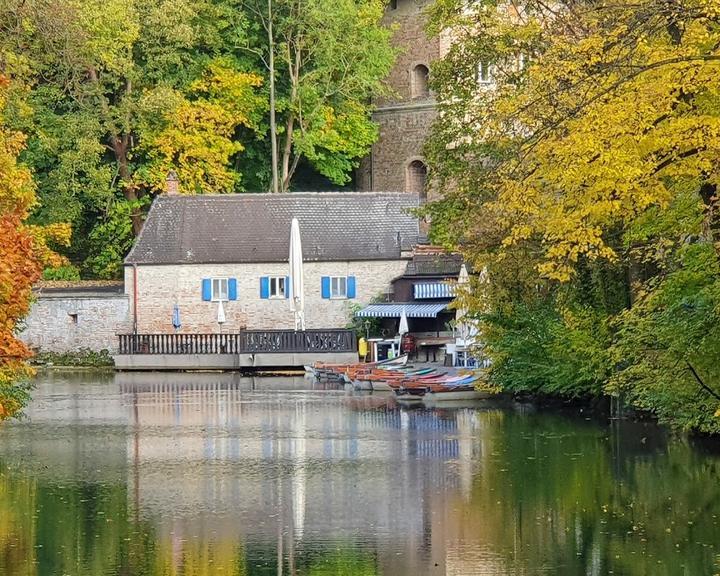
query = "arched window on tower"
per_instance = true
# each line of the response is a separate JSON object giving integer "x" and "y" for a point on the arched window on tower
{"x": 419, "y": 86}
{"x": 416, "y": 179}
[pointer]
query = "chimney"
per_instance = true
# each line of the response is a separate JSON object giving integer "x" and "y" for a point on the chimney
{"x": 172, "y": 183}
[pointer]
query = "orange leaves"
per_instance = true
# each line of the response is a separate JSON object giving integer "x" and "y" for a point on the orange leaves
{"x": 19, "y": 264}
{"x": 19, "y": 269}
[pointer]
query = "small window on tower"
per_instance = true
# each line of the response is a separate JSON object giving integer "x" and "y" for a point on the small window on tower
{"x": 393, "y": 4}
{"x": 484, "y": 73}
{"x": 416, "y": 179}
{"x": 420, "y": 87}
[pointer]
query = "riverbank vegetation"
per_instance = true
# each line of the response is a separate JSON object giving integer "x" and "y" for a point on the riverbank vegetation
{"x": 577, "y": 149}
{"x": 81, "y": 358}
{"x": 112, "y": 95}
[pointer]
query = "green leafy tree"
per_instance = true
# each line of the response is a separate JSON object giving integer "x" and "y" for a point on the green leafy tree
{"x": 118, "y": 92}
{"x": 328, "y": 59}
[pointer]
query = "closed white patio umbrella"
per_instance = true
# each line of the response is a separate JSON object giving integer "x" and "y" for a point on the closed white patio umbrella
{"x": 461, "y": 312}
{"x": 221, "y": 314}
{"x": 297, "y": 282}
{"x": 403, "y": 328}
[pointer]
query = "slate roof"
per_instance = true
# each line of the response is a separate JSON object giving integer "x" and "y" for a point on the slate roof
{"x": 242, "y": 228}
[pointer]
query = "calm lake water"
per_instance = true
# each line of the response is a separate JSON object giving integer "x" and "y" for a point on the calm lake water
{"x": 210, "y": 474}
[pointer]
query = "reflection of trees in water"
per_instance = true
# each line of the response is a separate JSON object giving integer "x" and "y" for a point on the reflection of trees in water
{"x": 84, "y": 530}
{"x": 552, "y": 492}
{"x": 468, "y": 489}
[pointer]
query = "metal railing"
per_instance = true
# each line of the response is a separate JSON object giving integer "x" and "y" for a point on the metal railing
{"x": 246, "y": 342}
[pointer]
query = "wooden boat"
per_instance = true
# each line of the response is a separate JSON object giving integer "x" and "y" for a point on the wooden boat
{"x": 456, "y": 384}
{"x": 391, "y": 384}
{"x": 338, "y": 372}
{"x": 452, "y": 395}
{"x": 406, "y": 399}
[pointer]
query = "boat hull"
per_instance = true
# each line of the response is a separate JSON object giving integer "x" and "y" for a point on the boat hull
{"x": 453, "y": 395}
{"x": 409, "y": 399}
{"x": 381, "y": 386}
{"x": 365, "y": 385}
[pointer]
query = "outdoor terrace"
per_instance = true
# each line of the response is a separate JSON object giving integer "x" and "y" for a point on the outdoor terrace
{"x": 236, "y": 351}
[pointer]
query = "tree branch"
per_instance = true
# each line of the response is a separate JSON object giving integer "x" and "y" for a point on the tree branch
{"x": 702, "y": 384}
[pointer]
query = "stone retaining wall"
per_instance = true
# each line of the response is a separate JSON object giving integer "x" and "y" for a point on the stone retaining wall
{"x": 65, "y": 320}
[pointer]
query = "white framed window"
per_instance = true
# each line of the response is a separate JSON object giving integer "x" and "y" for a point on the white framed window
{"x": 277, "y": 286}
{"x": 338, "y": 287}
{"x": 484, "y": 73}
{"x": 219, "y": 289}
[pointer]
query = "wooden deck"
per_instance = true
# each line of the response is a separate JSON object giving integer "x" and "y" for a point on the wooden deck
{"x": 236, "y": 351}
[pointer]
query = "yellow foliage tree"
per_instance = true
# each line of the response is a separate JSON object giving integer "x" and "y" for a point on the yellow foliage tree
{"x": 593, "y": 114}
{"x": 196, "y": 136}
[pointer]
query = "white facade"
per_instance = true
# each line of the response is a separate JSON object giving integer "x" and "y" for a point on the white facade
{"x": 161, "y": 287}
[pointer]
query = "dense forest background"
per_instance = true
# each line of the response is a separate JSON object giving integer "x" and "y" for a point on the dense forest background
{"x": 112, "y": 95}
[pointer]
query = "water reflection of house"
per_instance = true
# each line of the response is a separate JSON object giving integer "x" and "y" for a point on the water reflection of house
{"x": 216, "y": 468}
{"x": 331, "y": 466}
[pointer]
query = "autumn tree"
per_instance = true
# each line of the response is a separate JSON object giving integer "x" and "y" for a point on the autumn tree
{"x": 19, "y": 266}
{"x": 568, "y": 132}
{"x": 115, "y": 93}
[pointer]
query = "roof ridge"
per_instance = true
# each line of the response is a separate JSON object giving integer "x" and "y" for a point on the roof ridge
{"x": 255, "y": 195}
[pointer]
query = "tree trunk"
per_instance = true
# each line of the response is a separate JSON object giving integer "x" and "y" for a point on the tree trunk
{"x": 287, "y": 152}
{"x": 120, "y": 149}
{"x": 288, "y": 163}
{"x": 273, "y": 123}
{"x": 708, "y": 193}
{"x": 119, "y": 143}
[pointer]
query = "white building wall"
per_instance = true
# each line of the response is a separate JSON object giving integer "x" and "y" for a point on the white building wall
{"x": 160, "y": 287}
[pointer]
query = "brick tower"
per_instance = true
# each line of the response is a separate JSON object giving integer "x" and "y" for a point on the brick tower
{"x": 396, "y": 161}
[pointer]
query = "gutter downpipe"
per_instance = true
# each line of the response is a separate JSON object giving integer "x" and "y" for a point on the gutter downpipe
{"x": 135, "y": 299}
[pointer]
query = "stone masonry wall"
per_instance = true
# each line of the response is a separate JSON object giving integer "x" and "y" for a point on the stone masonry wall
{"x": 65, "y": 322}
{"x": 161, "y": 287}
{"x": 402, "y": 135}
{"x": 414, "y": 46}
{"x": 404, "y": 121}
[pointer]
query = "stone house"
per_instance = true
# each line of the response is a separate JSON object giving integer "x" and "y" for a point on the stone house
{"x": 195, "y": 251}
{"x": 424, "y": 292}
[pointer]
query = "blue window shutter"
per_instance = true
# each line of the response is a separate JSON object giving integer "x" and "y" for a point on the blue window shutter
{"x": 287, "y": 287}
{"x": 351, "y": 286}
{"x": 264, "y": 287}
{"x": 206, "y": 289}
{"x": 232, "y": 288}
{"x": 325, "y": 286}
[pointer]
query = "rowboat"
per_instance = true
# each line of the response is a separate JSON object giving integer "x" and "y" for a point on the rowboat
{"x": 469, "y": 393}
{"x": 391, "y": 384}
{"x": 383, "y": 377}
{"x": 457, "y": 388}
{"x": 339, "y": 372}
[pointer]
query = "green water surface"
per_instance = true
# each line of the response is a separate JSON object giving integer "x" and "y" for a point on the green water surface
{"x": 210, "y": 474}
